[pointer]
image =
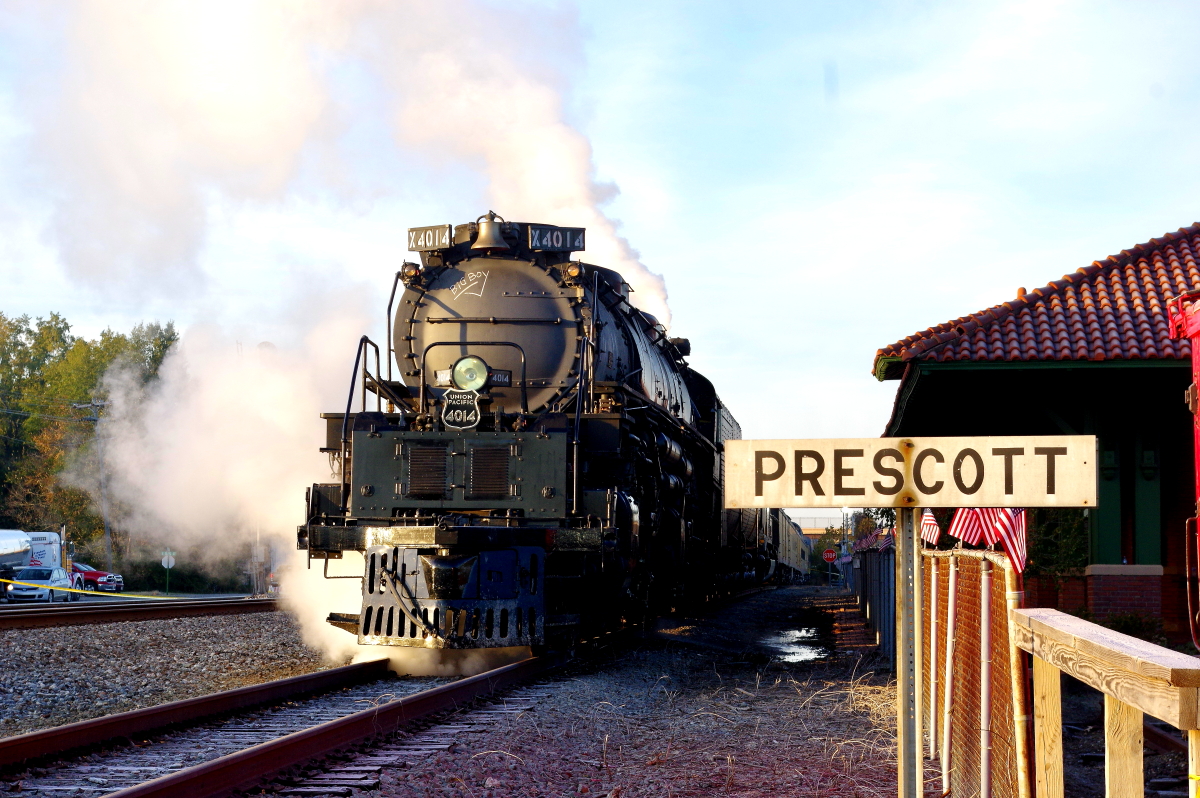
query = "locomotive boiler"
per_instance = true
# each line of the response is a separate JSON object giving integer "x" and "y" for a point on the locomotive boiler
{"x": 541, "y": 464}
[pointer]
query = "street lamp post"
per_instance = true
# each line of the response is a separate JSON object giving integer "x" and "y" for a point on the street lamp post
{"x": 95, "y": 406}
{"x": 846, "y": 516}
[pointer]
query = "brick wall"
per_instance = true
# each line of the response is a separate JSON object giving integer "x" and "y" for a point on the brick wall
{"x": 1072, "y": 594}
{"x": 1111, "y": 594}
{"x": 1068, "y": 594}
{"x": 1106, "y": 590}
{"x": 1174, "y": 608}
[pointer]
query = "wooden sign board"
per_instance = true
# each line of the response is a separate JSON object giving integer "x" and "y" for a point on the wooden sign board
{"x": 1020, "y": 471}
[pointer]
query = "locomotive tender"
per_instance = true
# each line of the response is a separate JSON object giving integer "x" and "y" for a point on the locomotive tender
{"x": 546, "y": 466}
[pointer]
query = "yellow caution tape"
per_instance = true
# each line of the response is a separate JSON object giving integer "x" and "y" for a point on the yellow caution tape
{"x": 87, "y": 592}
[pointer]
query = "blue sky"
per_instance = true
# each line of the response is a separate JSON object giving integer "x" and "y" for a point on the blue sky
{"x": 812, "y": 180}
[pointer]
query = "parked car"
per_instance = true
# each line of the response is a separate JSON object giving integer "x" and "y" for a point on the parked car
{"x": 95, "y": 579}
{"x": 51, "y": 583}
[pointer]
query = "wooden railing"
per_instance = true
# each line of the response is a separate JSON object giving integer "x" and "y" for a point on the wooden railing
{"x": 1136, "y": 677}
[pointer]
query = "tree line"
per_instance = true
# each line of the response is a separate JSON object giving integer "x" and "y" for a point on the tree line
{"x": 53, "y": 394}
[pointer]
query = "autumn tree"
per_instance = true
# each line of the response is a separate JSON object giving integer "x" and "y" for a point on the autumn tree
{"x": 52, "y": 393}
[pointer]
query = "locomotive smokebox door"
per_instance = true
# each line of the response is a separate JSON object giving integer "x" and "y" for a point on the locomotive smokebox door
{"x": 460, "y": 409}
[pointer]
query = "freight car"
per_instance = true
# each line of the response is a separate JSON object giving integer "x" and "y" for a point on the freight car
{"x": 545, "y": 466}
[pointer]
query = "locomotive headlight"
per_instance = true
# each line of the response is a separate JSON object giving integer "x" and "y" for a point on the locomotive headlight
{"x": 574, "y": 271}
{"x": 409, "y": 272}
{"x": 470, "y": 373}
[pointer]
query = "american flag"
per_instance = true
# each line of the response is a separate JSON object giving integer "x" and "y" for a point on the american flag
{"x": 966, "y": 526}
{"x": 1011, "y": 529}
{"x": 867, "y": 542}
{"x": 989, "y": 517}
{"x": 930, "y": 531}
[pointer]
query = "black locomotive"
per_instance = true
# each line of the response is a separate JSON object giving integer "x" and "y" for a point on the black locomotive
{"x": 547, "y": 465}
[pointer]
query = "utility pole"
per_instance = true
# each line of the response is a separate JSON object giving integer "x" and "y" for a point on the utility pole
{"x": 95, "y": 405}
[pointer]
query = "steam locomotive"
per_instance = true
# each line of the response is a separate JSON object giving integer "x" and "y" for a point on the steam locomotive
{"x": 547, "y": 465}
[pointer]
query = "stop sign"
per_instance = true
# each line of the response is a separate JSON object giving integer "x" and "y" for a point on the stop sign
{"x": 830, "y": 555}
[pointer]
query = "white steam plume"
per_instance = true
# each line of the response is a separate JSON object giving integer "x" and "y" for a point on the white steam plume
{"x": 225, "y": 444}
{"x": 160, "y": 115}
{"x": 470, "y": 89}
{"x": 156, "y": 106}
{"x": 161, "y": 109}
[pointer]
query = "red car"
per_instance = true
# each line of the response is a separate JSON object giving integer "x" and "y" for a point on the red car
{"x": 95, "y": 579}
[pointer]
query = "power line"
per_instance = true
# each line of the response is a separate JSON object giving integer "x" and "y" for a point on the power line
{"x": 30, "y": 443}
{"x": 51, "y": 400}
{"x": 42, "y": 415}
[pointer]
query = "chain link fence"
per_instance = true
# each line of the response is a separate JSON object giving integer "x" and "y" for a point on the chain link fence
{"x": 974, "y": 707}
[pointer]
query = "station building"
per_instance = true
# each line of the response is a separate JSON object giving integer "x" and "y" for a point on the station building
{"x": 1087, "y": 354}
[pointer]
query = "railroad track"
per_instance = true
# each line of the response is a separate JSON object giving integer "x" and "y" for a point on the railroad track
{"x": 45, "y": 615}
{"x": 220, "y": 752}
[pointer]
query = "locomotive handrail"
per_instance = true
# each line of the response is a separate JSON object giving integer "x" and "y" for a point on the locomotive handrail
{"x": 491, "y": 320}
{"x": 376, "y": 386}
{"x": 364, "y": 343}
{"x": 390, "y": 347}
{"x": 592, "y": 349}
{"x": 583, "y": 352}
{"x": 675, "y": 420}
{"x": 425, "y": 355}
{"x": 358, "y": 356}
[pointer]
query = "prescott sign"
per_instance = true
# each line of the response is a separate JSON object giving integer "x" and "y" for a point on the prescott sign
{"x": 1021, "y": 471}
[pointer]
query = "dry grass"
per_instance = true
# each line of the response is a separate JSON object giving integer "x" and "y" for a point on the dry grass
{"x": 682, "y": 723}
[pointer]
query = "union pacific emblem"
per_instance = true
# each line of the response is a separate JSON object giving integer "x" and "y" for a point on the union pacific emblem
{"x": 460, "y": 409}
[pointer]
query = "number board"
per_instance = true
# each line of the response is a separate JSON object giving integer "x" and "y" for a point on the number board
{"x": 423, "y": 239}
{"x": 546, "y": 238}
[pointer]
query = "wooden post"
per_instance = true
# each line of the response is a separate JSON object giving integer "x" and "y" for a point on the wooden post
{"x": 910, "y": 783}
{"x": 1193, "y": 763}
{"x": 1016, "y": 664}
{"x": 1047, "y": 729}
{"x": 1122, "y": 750}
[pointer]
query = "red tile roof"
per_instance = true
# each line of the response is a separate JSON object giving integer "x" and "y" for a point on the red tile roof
{"x": 1112, "y": 309}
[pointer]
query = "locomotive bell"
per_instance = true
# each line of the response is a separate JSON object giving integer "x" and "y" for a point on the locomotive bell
{"x": 489, "y": 233}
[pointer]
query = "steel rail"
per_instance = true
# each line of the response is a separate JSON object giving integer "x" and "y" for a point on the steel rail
{"x": 61, "y": 739}
{"x": 252, "y": 765}
{"x": 42, "y": 616}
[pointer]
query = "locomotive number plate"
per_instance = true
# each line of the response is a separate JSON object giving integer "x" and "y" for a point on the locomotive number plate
{"x": 555, "y": 239}
{"x": 423, "y": 239}
{"x": 460, "y": 409}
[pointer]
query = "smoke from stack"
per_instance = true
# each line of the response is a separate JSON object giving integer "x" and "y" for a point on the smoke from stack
{"x": 160, "y": 119}
{"x": 162, "y": 115}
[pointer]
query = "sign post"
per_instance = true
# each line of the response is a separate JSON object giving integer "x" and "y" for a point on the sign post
{"x": 909, "y": 652}
{"x": 168, "y": 562}
{"x": 909, "y": 473}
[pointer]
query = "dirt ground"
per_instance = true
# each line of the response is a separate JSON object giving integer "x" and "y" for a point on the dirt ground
{"x": 777, "y": 708}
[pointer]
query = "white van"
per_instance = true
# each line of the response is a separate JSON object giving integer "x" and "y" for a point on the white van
{"x": 47, "y": 551}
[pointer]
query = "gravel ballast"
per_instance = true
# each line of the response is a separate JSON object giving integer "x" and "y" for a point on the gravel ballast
{"x": 678, "y": 722}
{"x": 49, "y": 677}
{"x": 679, "y": 717}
